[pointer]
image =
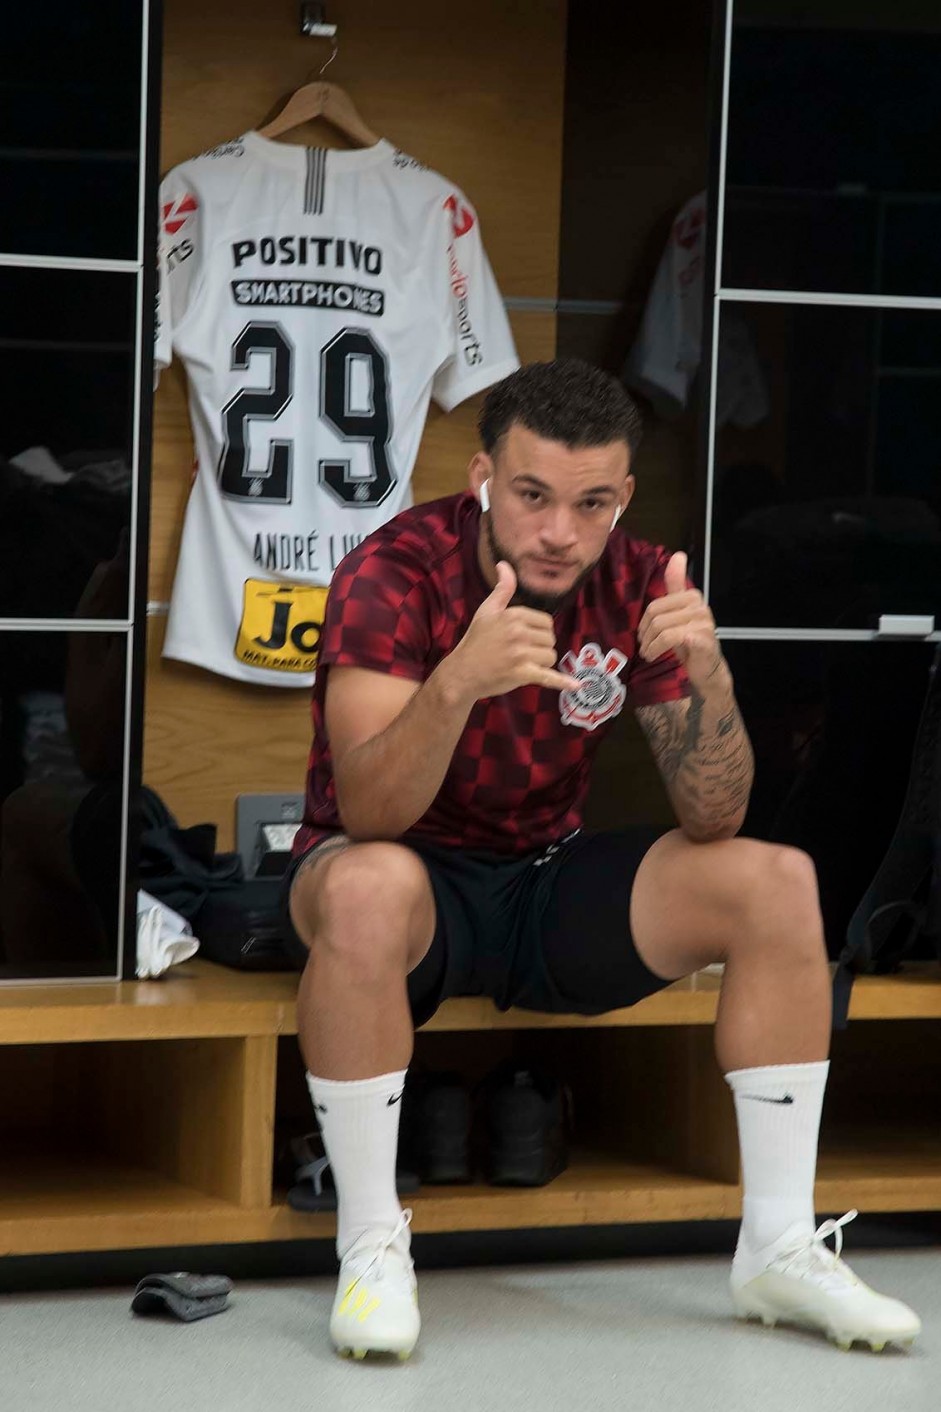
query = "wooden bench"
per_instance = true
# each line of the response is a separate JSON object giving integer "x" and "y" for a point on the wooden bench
{"x": 144, "y": 1114}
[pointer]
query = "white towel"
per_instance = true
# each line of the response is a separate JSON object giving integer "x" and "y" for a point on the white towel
{"x": 164, "y": 938}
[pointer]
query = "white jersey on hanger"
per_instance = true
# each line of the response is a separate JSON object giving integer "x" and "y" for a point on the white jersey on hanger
{"x": 666, "y": 353}
{"x": 318, "y": 300}
{"x": 668, "y": 349}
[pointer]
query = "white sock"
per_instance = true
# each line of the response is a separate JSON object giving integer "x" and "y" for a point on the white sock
{"x": 359, "y": 1121}
{"x": 778, "y": 1111}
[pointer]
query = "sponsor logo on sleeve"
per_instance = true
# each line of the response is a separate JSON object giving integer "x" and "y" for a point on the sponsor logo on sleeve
{"x": 235, "y": 148}
{"x": 177, "y": 213}
{"x": 178, "y": 253}
{"x": 406, "y": 163}
{"x": 688, "y": 229}
{"x": 462, "y": 217}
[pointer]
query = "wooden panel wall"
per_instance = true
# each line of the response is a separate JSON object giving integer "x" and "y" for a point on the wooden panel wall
{"x": 475, "y": 92}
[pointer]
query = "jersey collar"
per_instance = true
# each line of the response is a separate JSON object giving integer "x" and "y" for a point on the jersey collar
{"x": 293, "y": 157}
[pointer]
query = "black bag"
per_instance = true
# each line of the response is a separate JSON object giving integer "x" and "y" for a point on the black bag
{"x": 237, "y": 920}
{"x": 241, "y": 926}
{"x": 180, "y": 867}
{"x": 899, "y": 915}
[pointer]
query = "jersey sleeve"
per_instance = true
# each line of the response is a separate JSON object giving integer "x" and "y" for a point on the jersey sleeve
{"x": 654, "y": 366}
{"x": 666, "y": 354}
{"x": 651, "y": 683}
{"x": 179, "y": 262}
{"x": 480, "y": 349}
{"x": 376, "y": 617}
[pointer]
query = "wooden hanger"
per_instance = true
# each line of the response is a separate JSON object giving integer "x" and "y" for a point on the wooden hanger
{"x": 321, "y": 100}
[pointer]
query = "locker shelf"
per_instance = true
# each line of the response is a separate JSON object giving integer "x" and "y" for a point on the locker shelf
{"x": 172, "y": 1143}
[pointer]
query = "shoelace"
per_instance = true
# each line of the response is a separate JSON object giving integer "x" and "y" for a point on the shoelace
{"x": 376, "y": 1264}
{"x": 811, "y": 1256}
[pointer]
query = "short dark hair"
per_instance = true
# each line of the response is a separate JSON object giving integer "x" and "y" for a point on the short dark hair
{"x": 566, "y": 400}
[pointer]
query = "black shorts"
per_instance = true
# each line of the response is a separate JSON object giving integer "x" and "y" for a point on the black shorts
{"x": 548, "y": 931}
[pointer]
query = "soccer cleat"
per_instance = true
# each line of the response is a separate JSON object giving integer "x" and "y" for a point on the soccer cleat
{"x": 376, "y": 1304}
{"x": 806, "y": 1283}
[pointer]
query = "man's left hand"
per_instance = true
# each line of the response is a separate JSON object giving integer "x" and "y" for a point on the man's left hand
{"x": 681, "y": 622}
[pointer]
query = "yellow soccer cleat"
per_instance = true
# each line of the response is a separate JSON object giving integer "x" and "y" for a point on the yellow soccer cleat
{"x": 376, "y": 1304}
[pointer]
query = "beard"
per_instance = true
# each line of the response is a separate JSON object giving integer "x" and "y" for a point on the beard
{"x": 526, "y": 597}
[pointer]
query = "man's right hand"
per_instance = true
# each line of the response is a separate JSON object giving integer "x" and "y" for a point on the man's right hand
{"x": 506, "y": 647}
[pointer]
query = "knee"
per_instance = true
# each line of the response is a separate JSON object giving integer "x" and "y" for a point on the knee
{"x": 370, "y": 879}
{"x": 790, "y": 878}
{"x": 782, "y": 901}
{"x": 359, "y": 903}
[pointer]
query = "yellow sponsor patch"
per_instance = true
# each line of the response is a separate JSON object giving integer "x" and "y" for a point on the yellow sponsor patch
{"x": 281, "y": 626}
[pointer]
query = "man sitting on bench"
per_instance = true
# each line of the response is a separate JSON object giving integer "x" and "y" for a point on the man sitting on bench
{"x": 475, "y": 652}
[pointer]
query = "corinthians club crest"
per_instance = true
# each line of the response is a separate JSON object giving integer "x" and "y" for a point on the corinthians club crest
{"x": 600, "y": 695}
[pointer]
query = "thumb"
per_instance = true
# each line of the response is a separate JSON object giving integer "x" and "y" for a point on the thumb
{"x": 675, "y": 575}
{"x": 506, "y": 587}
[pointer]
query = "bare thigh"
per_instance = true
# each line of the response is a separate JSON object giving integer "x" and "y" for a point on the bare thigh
{"x": 692, "y": 902}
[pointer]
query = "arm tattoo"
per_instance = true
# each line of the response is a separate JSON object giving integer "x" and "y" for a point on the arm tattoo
{"x": 705, "y": 758}
{"x": 726, "y": 723}
{"x": 673, "y": 735}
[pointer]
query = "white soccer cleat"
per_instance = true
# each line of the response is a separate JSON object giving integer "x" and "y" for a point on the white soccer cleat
{"x": 806, "y": 1283}
{"x": 376, "y": 1305}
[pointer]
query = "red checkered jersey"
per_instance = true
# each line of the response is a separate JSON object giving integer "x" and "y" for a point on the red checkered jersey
{"x": 403, "y": 600}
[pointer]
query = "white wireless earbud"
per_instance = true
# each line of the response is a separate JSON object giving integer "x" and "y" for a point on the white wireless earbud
{"x": 485, "y": 496}
{"x": 617, "y": 516}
